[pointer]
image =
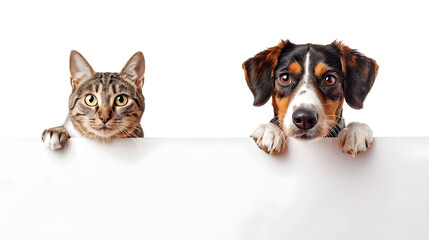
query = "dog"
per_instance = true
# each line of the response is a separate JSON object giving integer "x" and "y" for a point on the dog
{"x": 308, "y": 84}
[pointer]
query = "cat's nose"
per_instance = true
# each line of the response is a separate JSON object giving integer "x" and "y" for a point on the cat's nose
{"x": 104, "y": 116}
{"x": 104, "y": 119}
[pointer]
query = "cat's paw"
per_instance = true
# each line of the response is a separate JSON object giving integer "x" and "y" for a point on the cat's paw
{"x": 270, "y": 138}
{"x": 355, "y": 138}
{"x": 55, "y": 138}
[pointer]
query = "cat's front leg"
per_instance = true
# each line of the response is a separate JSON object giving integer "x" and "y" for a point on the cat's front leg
{"x": 55, "y": 138}
{"x": 355, "y": 138}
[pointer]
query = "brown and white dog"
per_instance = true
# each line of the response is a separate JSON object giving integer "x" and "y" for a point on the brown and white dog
{"x": 308, "y": 84}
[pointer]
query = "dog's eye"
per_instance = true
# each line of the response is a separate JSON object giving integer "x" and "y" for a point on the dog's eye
{"x": 330, "y": 80}
{"x": 91, "y": 100}
{"x": 285, "y": 78}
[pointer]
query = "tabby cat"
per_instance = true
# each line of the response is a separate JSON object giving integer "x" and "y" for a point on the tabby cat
{"x": 103, "y": 105}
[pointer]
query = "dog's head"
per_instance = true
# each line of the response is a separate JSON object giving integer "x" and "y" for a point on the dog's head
{"x": 308, "y": 84}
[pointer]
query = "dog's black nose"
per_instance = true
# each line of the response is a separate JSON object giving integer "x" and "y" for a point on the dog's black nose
{"x": 304, "y": 119}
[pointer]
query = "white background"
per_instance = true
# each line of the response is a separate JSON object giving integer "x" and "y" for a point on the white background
{"x": 213, "y": 189}
{"x": 195, "y": 86}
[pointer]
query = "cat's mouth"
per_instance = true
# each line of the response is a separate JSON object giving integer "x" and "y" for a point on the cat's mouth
{"x": 104, "y": 128}
{"x": 105, "y": 132}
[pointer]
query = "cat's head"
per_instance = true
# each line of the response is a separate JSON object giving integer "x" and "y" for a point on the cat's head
{"x": 105, "y": 105}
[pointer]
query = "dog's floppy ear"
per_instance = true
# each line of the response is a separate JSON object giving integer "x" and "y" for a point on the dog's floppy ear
{"x": 359, "y": 72}
{"x": 259, "y": 73}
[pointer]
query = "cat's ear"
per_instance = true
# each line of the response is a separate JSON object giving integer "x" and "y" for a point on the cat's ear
{"x": 134, "y": 69}
{"x": 80, "y": 69}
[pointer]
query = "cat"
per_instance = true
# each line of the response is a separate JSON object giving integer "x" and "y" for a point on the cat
{"x": 102, "y": 106}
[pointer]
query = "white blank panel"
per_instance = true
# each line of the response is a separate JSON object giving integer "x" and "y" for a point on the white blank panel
{"x": 211, "y": 189}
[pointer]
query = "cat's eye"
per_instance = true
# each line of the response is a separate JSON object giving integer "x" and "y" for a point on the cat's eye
{"x": 121, "y": 100}
{"x": 285, "y": 79}
{"x": 330, "y": 80}
{"x": 91, "y": 100}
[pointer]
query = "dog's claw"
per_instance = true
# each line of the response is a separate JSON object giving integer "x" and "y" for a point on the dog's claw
{"x": 341, "y": 143}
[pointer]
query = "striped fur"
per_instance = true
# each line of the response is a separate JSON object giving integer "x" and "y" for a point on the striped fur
{"x": 124, "y": 121}
{"x": 106, "y": 119}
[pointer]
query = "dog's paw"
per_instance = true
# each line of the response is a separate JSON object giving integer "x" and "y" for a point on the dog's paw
{"x": 55, "y": 138}
{"x": 355, "y": 138}
{"x": 270, "y": 138}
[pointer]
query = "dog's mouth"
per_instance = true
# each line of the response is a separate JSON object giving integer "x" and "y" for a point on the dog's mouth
{"x": 305, "y": 134}
{"x": 322, "y": 129}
